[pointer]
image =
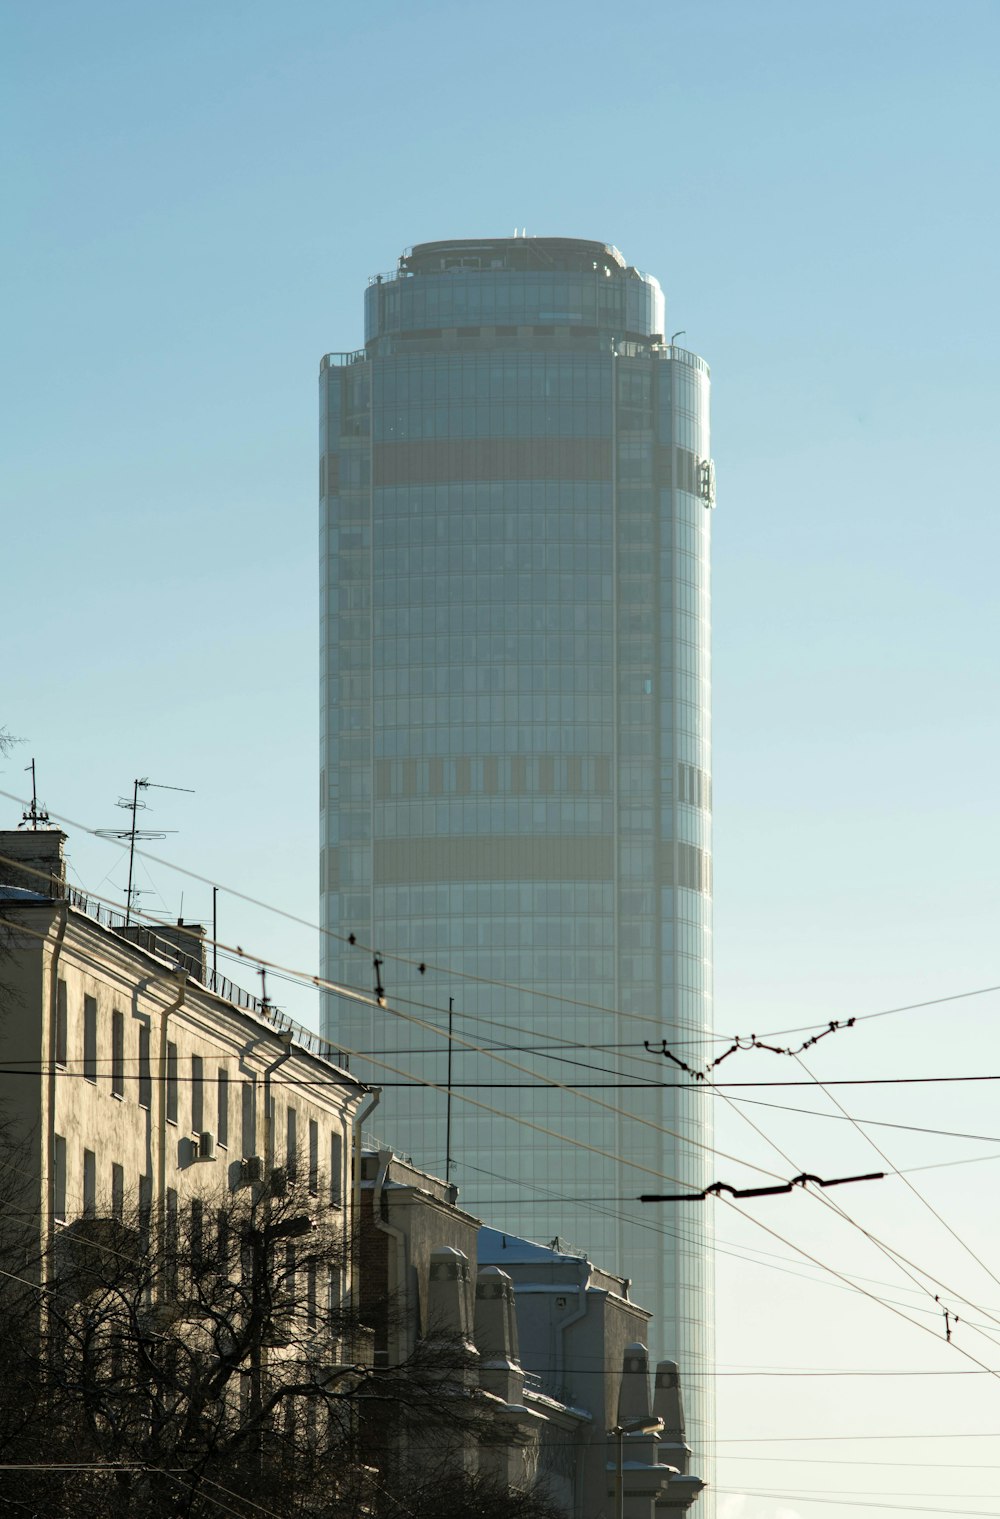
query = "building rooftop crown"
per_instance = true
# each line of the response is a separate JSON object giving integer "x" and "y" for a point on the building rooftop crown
{"x": 552, "y": 254}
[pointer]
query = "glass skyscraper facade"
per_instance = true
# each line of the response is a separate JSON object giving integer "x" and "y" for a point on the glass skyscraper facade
{"x": 515, "y": 473}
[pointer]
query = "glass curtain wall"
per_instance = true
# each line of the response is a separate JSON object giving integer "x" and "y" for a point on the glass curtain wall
{"x": 515, "y": 773}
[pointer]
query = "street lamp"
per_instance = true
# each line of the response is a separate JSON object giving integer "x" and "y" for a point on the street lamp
{"x": 650, "y": 1424}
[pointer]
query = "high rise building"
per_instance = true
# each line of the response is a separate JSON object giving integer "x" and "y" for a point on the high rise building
{"x": 515, "y": 789}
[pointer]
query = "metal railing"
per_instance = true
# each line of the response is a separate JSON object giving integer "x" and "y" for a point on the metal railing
{"x": 341, "y": 360}
{"x": 146, "y": 937}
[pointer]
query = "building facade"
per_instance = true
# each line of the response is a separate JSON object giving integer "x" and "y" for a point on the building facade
{"x": 555, "y": 1346}
{"x": 139, "y": 1083}
{"x": 515, "y": 784}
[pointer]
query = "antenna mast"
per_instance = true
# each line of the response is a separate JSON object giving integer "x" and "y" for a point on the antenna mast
{"x": 36, "y": 816}
{"x": 132, "y": 833}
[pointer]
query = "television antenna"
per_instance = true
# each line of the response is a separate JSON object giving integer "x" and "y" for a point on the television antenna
{"x": 36, "y": 816}
{"x": 133, "y": 832}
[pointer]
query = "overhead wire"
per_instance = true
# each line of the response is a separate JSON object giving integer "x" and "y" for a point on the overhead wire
{"x": 340, "y": 990}
{"x": 759, "y": 1223}
{"x": 384, "y": 1005}
{"x": 917, "y": 1194}
{"x": 519, "y": 1118}
{"x": 454, "y": 971}
{"x": 727, "y": 1247}
{"x": 895, "y": 1257}
{"x": 902, "y": 1508}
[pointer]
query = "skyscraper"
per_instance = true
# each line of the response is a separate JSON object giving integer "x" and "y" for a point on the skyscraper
{"x": 514, "y": 476}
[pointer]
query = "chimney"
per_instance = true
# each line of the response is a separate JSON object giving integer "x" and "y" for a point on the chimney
{"x": 667, "y": 1402}
{"x": 633, "y": 1396}
{"x": 188, "y": 940}
{"x": 32, "y": 860}
{"x": 500, "y": 1369}
{"x": 180, "y": 941}
{"x": 449, "y": 1311}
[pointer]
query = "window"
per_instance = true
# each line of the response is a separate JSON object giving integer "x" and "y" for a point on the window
{"x": 117, "y": 1054}
{"x": 117, "y": 1191}
{"x": 171, "y": 1082}
{"x": 170, "y": 1242}
{"x": 222, "y": 1239}
{"x": 248, "y": 1125}
{"x": 197, "y": 1233}
{"x": 89, "y": 1184}
{"x": 336, "y": 1170}
{"x": 291, "y": 1144}
{"x": 61, "y": 1023}
{"x": 222, "y": 1117}
{"x": 145, "y": 1078}
{"x": 311, "y": 1316}
{"x": 90, "y": 1039}
{"x": 334, "y": 1293}
{"x": 313, "y": 1159}
{"x": 145, "y": 1212}
{"x": 197, "y": 1093}
{"x": 59, "y": 1178}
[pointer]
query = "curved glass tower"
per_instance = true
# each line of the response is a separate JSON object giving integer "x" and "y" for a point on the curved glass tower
{"x": 516, "y": 753}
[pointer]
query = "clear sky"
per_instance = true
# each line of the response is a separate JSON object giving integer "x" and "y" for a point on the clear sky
{"x": 197, "y": 194}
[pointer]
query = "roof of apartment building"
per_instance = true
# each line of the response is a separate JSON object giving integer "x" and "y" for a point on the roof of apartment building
{"x": 37, "y": 855}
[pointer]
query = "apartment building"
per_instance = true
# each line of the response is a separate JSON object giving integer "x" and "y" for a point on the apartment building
{"x": 134, "y": 1079}
{"x": 553, "y": 1342}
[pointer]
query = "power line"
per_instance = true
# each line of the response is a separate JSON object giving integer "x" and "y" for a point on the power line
{"x": 904, "y": 1508}
{"x": 895, "y": 1257}
{"x": 873, "y": 1296}
{"x": 931, "y": 1466}
{"x": 917, "y": 1194}
{"x": 453, "y": 972}
{"x": 727, "y": 1247}
{"x": 962, "y": 1434}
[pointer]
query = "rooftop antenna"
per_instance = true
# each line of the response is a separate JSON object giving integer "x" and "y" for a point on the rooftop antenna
{"x": 133, "y": 832}
{"x": 36, "y": 816}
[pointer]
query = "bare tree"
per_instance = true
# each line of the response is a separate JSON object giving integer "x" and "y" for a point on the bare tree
{"x": 171, "y": 1366}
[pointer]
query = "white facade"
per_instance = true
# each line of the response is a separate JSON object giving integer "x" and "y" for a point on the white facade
{"x": 131, "y": 1086}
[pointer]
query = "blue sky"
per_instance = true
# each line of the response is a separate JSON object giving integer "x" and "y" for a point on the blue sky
{"x": 198, "y": 194}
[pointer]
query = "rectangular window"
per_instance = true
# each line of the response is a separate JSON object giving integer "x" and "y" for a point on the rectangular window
{"x": 313, "y": 1156}
{"x": 333, "y": 1297}
{"x": 171, "y": 1082}
{"x": 291, "y": 1143}
{"x": 311, "y": 1315}
{"x": 222, "y": 1116}
{"x": 336, "y": 1170}
{"x": 62, "y": 1020}
{"x": 197, "y": 1233}
{"x": 197, "y": 1093}
{"x": 117, "y": 1191}
{"x": 59, "y": 1178}
{"x": 90, "y": 1039}
{"x": 145, "y": 1076}
{"x": 170, "y": 1242}
{"x": 89, "y": 1184}
{"x": 145, "y": 1212}
{"x": 222, "y": 1239}
{"x": 117, "y": 1054}
{"x": 249, "y": 1135}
